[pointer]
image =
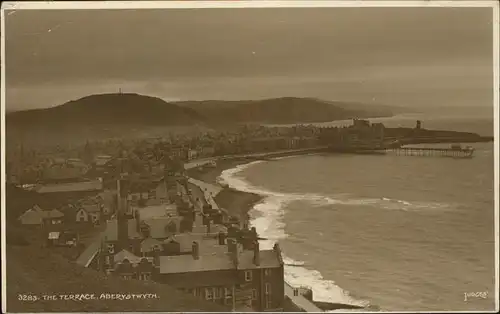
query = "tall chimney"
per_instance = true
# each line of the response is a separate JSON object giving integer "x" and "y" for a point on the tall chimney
{"x": 196, "y": 250}
{"x": 121, "y": 218}
{"x": 256, "y": 253}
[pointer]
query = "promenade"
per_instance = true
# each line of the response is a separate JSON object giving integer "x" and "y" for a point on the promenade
{"x": 290, "y": 152}
{"x": 299, "y": 300}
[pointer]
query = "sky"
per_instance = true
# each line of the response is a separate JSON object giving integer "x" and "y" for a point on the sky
{"x": 415, "y": 57}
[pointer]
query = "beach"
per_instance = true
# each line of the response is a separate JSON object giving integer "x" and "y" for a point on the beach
{"x": 237, "y": 203}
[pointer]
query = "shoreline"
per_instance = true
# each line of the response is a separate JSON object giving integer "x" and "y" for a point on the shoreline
{"x": 240, "y": 203}
{"x": 237, "y": 203}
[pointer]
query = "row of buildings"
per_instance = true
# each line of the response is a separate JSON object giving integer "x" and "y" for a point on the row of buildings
{"x": 191, "y": 249}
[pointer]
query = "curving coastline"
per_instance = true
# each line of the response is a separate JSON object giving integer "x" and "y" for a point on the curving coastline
{"x": 264, "y": 210}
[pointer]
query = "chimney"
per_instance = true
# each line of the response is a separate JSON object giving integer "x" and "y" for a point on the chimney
{"x": 137, "y": 220}
{"x": 196, "y": 250}
{"x": 205, "y": 220}
{"x": 233, "y": 251}
{"x": 222, "y": 238}
{"x": 254, "y": 233}
{"x": 256, "y": 253}
{"x": 156, "y": 257}
{"x": 208, "y": 227}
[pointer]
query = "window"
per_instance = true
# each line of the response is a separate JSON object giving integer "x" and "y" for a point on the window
{"x": 228, "y": 293}
{"x": 209, "y": 293}
{"x": 254, "y": 294}
{"x": 145, "y": 276}
{"x": 268, "y": 288}
{"x": 248, "y": 275}
{"x": 108, "y": 260}
{"x": 152, "y": 194}
{"x": 111, "y": 248}
{"x": 218, "y": 293}
{"x": 267, "y": 272}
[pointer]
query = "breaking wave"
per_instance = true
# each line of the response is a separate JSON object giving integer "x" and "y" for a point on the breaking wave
{"x": 267, "y": 217}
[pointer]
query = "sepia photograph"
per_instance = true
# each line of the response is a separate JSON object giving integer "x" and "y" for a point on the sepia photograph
{"x": 250, "y": 156}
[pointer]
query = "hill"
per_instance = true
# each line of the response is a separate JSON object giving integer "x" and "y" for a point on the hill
{"x": 140, "y": 110}
{"x": 107, "y": 109}
{"x": 126, "y": 115}
{"x": 36, "y": 271}
{"x": 286, "y": 110}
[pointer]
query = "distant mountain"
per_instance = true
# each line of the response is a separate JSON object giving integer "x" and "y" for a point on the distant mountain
{"x": 284, "y": 110}
{"x": 107, "y": 109}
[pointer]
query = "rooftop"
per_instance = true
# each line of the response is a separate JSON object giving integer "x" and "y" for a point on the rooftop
{"x": 217, "y": 259}
{"x": 85, "y": 186}
{"x": 111, "y": 231}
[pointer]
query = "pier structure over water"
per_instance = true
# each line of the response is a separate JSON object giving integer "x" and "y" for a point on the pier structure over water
{"x": 454, "y": 151}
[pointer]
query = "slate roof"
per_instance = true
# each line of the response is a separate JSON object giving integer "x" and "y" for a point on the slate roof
{"x": 111, "y": 231}
{"x": 70, "y": 187}
{"x": 148, "y": 244}
{"x": 157, "y": 211}
{"x": 90, "y": 251}
{"x": 218, "y": 260}
{"x": 35, "y": 215}
{"x": 126, "y": 255}
{"x": 158, "y": 226}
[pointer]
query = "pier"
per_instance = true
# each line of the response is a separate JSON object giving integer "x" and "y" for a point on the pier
{"x": 457, "y": 152}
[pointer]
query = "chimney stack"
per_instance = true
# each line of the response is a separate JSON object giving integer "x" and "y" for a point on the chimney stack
{"x": 256, "y": 253}
{"x": 222, "y": 238}
{"x": 137, "y": 220}
{"x": 196, "y": 250}
{"x": 156, "y": 257}
{"x": 233, "y": 251}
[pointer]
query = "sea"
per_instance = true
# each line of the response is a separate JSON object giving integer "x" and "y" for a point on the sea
{"x": 396, "y": 233}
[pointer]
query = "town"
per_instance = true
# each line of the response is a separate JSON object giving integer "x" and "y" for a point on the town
{"x": 130, "y": 209}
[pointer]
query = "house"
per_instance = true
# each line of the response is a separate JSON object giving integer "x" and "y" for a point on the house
{"x": 102, "y": 160}
{"x": 129, "y": 266}
{"x": 89, "y": 212}
{"x": 229, "y": 275}
{"x": 145, "y": 190}
{"x": 37, "y": 217}
{"x": 192, "y": 154}
{"x": 161, "y": 228}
